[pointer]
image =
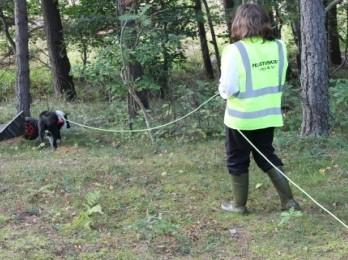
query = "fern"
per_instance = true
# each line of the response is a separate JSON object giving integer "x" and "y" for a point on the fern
{"x": 92, "y": 199}
{"x": 287, "y": 215}
{"x": 85, "y": 219}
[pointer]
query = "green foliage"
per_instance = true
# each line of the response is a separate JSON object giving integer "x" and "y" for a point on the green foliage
{"x": 339, "y": 94}
{"x": 286, "y": 216}
{"x": 291, "y": 105}
{"x": 7, "y": 6}
{"x": 206, "y": 118}
{"x": 8, "y": 80}
{"x": 339, "y": 102}
{"x": 85, "y": 219}
{"x": 41, "y": 85}
{"x": 101, "y": 74}
{"x": 3, "y": 44}
{"x": 161, "y": 29}
{"x": 153, "y": 226}
{"x": 88, "y": 22}
{"x": 41, "y": 82}
{"x": 3, "y": 220}
{"x": 156, "y": 41}
{"x": 37, "y": 194}
{"x": 34, "y": 8}
{"x": 92, "y": 203}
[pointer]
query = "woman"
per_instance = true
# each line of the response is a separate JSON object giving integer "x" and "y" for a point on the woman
{"x": 252, "y": 75}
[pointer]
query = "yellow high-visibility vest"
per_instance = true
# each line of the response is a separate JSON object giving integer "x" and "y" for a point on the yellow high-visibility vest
{"x": 261, "y": 70}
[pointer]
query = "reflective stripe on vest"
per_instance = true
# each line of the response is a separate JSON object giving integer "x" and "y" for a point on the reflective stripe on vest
{"x": 256, "y": 114}
{"x": 250, "y": 92}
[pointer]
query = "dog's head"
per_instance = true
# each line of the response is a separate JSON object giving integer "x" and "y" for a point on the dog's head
{"x": 63, "y": 119}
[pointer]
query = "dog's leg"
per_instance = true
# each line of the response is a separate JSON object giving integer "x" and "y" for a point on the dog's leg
{"x": 55, "y": 135}
{"x": 59, "y": 137}
{"x": 50, "y": 140}
{"x": 55, "y": 143}
{"x": 41, "y": 127}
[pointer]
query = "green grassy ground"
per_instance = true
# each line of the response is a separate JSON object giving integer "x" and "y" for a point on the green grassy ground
{"x": 102, "y": 196}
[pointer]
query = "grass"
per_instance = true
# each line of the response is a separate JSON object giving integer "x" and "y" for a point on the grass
{"x": 109, "y": 196}
{"x": 102, "y": 196}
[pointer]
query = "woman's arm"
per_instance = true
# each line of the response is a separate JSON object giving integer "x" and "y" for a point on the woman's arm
{"x": 229, "y": 82}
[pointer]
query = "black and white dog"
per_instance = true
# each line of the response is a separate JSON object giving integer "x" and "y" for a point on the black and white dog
{"x": 50, "y": 123}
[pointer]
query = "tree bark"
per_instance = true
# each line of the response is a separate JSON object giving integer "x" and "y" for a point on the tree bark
{"x": 203, "y": 40}
{"x": 314, "y": 69}
{"x": 213, "y": 36}
{"x": 22, "y": 57}
{"x": 296, "y": 31}
{"x": 229, "y": 7}
{"x": 164, "y": 74}
{"x": 60, "y": 64}
{"x": 132, "y": 69}
{"x": 334, "y": 41}
{"x": 276, "y": 22}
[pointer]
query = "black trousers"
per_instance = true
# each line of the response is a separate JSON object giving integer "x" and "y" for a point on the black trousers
{"x": 238, "y": 150}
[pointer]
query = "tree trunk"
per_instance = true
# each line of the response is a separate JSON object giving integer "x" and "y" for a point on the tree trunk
{"x": 133, "y": 66}
{"x": 84, "y": 55}
{"x": 22, "y": 57}
{"x": 60, "y": 64}
{"x": 203, "y": 39}
{"x": 132, "y": 69}
{"x": 164, "y": 73}
{"x": 213, "y": 36}
{"x": 334, "y": 41}
{"x": 314, "y": 69}
{"x": 229, "y": 7}
{"x": 276, "y": 22}
{"x": 296, "y": 31}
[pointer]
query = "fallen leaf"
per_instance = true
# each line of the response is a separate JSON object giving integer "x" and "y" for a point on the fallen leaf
{"x": 258, "y": 185}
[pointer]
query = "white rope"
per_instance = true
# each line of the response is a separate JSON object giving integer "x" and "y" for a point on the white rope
{"x": 256, "y": 149}
{"x": 145, "y": 129}
{"x": 293, "y": 183}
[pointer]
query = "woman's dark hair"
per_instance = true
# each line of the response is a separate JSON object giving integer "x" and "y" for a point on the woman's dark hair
{"x": 251, "y": 20}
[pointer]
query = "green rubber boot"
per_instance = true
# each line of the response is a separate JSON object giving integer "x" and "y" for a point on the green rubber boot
{"x": 240, "y": 186}
{"x": 282, "y": 186}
